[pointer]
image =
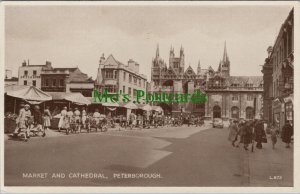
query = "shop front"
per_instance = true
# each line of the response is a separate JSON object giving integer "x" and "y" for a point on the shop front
{"x": 289, "y": 108}
{"x": 278, "y": 113}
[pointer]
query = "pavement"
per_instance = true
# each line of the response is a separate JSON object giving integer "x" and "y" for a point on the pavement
{"x": 169, "y": 156}
{"x": 270, "y": 167}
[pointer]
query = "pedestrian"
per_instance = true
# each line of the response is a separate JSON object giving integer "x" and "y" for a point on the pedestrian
{"x": 38, "y": 119}
{"x": 20, "y": 124}
{"x": 189, "y": 120}
{"x": 77, "y": 118}
{"x": 96, "y": 116}
{"x": 246, "y": 134}
{"x": 273, "y": 136}
{"x": 47, "y": 119}
{"x": 22, "y": 121}
{"x": 83, "y": 117}
{"x": 233, "y": 132}
{"x": 259, "y": 134}
{"x": 132, "y": 120}
{"x": 287, "y": 133}
{"x": 63, "y": 114}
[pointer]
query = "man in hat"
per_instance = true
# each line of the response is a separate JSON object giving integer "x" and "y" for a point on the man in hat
{"x": 233, "y": 132}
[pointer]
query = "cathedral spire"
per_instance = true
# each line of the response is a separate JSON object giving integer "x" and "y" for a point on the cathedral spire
{"x": 157, "y": 51}
{"x": 199, "y": 68}
{"x": 225, "y": 56}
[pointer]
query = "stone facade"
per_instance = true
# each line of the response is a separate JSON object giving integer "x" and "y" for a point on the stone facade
{"x": 115, "y": 76}
{"x": 31, "y": 74}
{"x": 278, "y": 71}
{"x": 66, "y": 80}
{"x": 227, "y": 96}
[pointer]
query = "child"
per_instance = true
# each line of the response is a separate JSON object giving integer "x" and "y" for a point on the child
{"x": 273, "y": 136}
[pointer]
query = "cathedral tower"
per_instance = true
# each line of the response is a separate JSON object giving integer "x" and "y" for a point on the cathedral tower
{"x": 199, "y": 68}
{"x": 225, "y": 63}
{"x": 177, "y": 63}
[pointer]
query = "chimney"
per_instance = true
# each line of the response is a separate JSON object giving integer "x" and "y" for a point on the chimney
{"x": 24, "y": 63}
{"x": 137, "y": 68}
{"x": 102, "y": 60}
{"x": 48, "y": 64}
{"x": 131, "y": 64}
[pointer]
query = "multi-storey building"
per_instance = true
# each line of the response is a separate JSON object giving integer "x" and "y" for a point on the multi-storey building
{"x": 115, "y": 76}
{"x": 278, "y": 73}
{"x": 227, "y": 96}
{"x": 31, "y": 74}
{"x": 66, "y": 80}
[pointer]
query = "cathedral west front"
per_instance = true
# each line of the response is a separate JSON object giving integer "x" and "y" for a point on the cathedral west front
{"x": 227, "y": 96}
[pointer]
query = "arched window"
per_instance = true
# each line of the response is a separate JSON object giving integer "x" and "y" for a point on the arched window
{"x": 217, "y": 112}
{"x": 235, "y": 112}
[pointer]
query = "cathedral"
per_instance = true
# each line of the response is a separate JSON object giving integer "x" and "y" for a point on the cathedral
{"x": 227, "y": 96}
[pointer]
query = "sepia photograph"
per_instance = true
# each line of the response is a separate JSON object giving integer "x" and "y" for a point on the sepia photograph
{"x": 148, "y": 95}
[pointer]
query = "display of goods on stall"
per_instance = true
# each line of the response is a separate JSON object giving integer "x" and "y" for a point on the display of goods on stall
{"x": 10, "y": 122}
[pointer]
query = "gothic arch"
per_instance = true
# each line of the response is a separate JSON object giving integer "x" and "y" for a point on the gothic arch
{"x": 216, "y": 111}
{"x": 235, "y": 112}
{"x": 249, "y": 113}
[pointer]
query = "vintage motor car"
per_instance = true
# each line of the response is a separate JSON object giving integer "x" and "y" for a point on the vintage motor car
{"x": 218, "y": 122}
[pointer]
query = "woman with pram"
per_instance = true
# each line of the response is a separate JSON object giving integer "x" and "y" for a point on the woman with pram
{"x": 47, "y": 119}
{"x": 38, "y": 121}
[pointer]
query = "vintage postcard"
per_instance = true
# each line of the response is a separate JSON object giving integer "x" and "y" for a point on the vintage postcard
{"x": 139, "y": 97}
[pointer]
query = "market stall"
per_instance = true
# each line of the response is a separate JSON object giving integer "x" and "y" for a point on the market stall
{"x": 129, "y": 107}
{"x": 14, "y": 95}
{"x": 68, "y": 99}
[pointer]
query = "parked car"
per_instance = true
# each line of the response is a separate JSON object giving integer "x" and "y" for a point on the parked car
{"x": 218, "y": 122}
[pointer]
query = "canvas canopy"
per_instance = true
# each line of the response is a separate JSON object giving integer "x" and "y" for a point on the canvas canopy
{"x": 157, "y": 108}
{"x": 77, "y": 98}
{"x": 130, "y": 105}
{"x": 146, "y": 107}
{"x": 30, "y": 94}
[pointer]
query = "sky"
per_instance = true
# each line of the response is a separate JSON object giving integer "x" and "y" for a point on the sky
{"x": 71, "y": 36}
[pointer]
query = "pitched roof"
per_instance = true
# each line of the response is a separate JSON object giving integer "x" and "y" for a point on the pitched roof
{"x": 188, "y": 70}
{"x": 243, "y": 80}
{"x": 67, "y": 68}
{"x": 112, "y": 61}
